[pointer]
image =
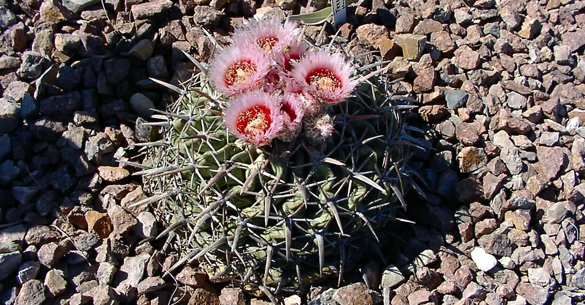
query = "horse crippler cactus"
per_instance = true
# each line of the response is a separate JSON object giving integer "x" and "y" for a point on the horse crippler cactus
{"x": 276, "y": 169}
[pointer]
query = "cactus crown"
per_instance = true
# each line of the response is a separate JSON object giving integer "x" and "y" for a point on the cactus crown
{"x": 283, "y": 213}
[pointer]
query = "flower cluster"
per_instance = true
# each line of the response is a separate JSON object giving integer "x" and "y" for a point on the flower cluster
{"x": 277, "y": 87}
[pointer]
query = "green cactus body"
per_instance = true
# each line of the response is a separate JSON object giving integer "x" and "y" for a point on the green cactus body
{"x": 286, "y": 215}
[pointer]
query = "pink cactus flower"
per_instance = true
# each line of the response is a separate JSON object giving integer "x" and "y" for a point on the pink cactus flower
{"x": 269, "y": 35}
{"x": 293, "y": 109}
{"x": 326, "y": 76}
{"x": 291, "y": 55}
{"x": 254, "y": 117}
{"x": 238, "y": 69}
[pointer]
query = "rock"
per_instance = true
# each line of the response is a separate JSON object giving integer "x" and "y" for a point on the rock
{"x": 146, "y": 225}
{"x": 575, "y": 40}
{"x": 203, "y": 296}
{"x": 442, "y": 40}
{"x": 404, "y": 22}
{"x": 433, "y": 113}
{"x": 27, "y": 271}
{"x": 105, "y": 273}
{"x": 150, "y": 9}
{"x": 49, "y": 254}
{"x": 7, "y": 18}
{"x": 471, "y": 159}
{"x": 33, "y": 64}
{"x": 16, "y": 90}
{"x": 157, "y": 67}
{"x": 31, "y": 293}
{"x": 77, "y": 6}
{"x": 520, "y": 219}
{"x": 67, "y": 43}
{"x": 578, "y": 279}
{"x": 533, "y": 294}
{"x": 100, "y": 223}
{"x": 9, "y": 263}
{"x": 55, "y": 282}
{"x": 516, "y": 100}
{"x": 121, "y": 220}
{"x": 419, "y": 297}
{"x": 353, "y": 294}
{"x": 191, "y": 277}
{"x": 8, "y": 116}
{"x": 61, "y": 104}
{"x": 473, "y": 291}
{"x": 47, "y": 129}
{"x": 540, "y": 277}
{"x": 552, "y": 160}
{"x": 391, "y": 277}
{"x": 132, "y": 271}
{"x": 425, "y": 258}
{"x": 142, "y": 50}
{"x": 466, "y": 58}
{"x": 150, "y": 284}
{"x": 425, "y": 80}
{"x": 8, "y": 172}
{"x": 484, "y": 261}
{"x": 113, "y": 174}
{"x": 232, "y": 296}
{"x": 557, "y": 212}
{"x": 530, "y": 28}
{"x": 207, "y": 16}
{"x": 468, "y": 189}
{"x": 412, "y": 45}
{"x": 456, "y": 98}
{"x": 142, "y": 105}
{"x": 117, "y": 69}
{"x": 492, "y": 185}
{"x": 497, "y": 243}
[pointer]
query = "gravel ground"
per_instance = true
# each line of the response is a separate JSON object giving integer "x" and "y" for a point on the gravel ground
{"x": 501, "y": 88}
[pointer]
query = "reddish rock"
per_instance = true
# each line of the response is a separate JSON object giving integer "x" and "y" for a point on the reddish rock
{"x": 232, "y": 296}
{"x": 356, "y": 293}
{"x": 113, "y": 174}
{"x": 492, "y": 184}
{"x": 471, "y": 158}
{"x": 467, "y": 133}
{"x": 149, "y": 9}
{"x": 551, "y": 161}
{"x": 192, "y": 277}
{"x": 466, "y": 58}
{"x": 425, "y": 81}
{"x": 433, "y": 113}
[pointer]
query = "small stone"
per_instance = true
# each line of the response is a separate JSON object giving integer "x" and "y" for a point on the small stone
{"x": 552, "y": 160}
{"x": 496, "y": 243}
{"x": 473, "y": 291}
{"x": 425, "y": 258}
{"x": 27, "y": 271}
{"x": 121, "y": 219}
{"x": 471, "y": 158}
{"x": 31, "y": 293}
{"x": 516, "y": 100}
{"x": 157, "y": 67}
{"x": 530, "y": 28}
{"x": 38, "y": 235}
{"x": 540, "y": 277}
{"x": 8, "y": 172}
{"x": 117, "y": 69}
{"x": 391, "y": 277}
{"x": 142, "y": 50}
{"x": 232, "y": 296}
{"x": 113, "y": 174}
{"x": 77, "y": 6}
{"x": 484, "y": 261}
{"x": 142, "y": 105}
{"x": 549, "y": 138}
{"x": 433, "y": 113}
{"x": 533, "y": 294}
{"x": 8, "y": 116}
{"x": 456, "y": 99}
{"x": 7, "y": 18}
{"x": 191, "y": 277}
{"x": 208, "y": 16}
{"x": 132, "y": 271}
{"x": 67, "y": 43}
{"x": 520, "y": 219}
{"x": 578, "y": 279}
{"x": 61, "y": 104}
{"x": 412, "y": 45}
{"x": 150, "y": 9}
{"x": 146, "y": 225}
{"x": 425, "y": 80}
{"x": 492, "y": 185}
{"x": 16, "y": 90}
{"x": 510, "y": 16}
{"x": 443, "y": 41}
{"x": 9, "y": 263}
{"x": 356, "y": 293}
{"x": 404, "y": 22}
{"x": 33, "y": 64}
{"x": 55, "y": 282}
{"x": 150, "y": 284}
{"x": 203, "y": 296}
{"x": 49, "y": 254}
{"x": 418, "y": 297}
{"x": 466, "y": 58}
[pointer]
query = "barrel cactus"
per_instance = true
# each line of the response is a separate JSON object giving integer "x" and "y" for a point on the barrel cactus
{"x": 275, "y": 169}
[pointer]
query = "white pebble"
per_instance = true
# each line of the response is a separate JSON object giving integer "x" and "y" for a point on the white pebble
{"x": 484, "y": 261}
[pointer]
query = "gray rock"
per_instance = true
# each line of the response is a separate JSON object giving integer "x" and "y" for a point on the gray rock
{"x": 142, "y": 50}
{"x": 8, "y": 116}
{"x": 86, "y": 241}
{"x": 49, "y": 254}
{"x": 13, "y": 234}
{"x": 55, "y": 282}
{"x": 516, "y": 100}
{"x": 77, "y": 6}
{"x": 7, "y": 18}
{"x": 47, "y": 129}
{"x": 9, "y": 263}
{"x": 29, "y": 108}
{"x": 157, "y": 67}
{"x": 456, "y": 99}
{"x": 207, "y": 16}
{"x": 562, "y": 299}
{"x": 9, "y": 62}
{"x": 68, "y": 78}
{"x": 142, "y": 105}
{"x": 533, "y": 294}
{"x": 31, "y": 293}
{"x": 133, "y": 269}
{"x": 63, "y": 179}
{"x": 549, "y": 138}
{"x": 146, "y": 226}
{"x": 67, "y": 43}
{"x": 5, "y": 146}
{"x": 541, "y": 277}
{"x": 497, "y": 243}
{"x": 61, "y": 104}
{"x": 149, "y": 9}
{"x": 105, "y": 273}
{"x": 8, "y": 172}
{"x": 559, "y": 211}
{"x": 578, "y": 279}
{"x": 27, "y": 271}
{"x": 116, "y": 70}
{"x": 391, "y": 277}
{"x": 24, "y": 194}
{"x": 33, "y": 64}
{"x": 579, "y": 71}
{"x": 7, "y": 247}
{"x": 16, "y": 90}
{"x": 511, "y": 157}
{"x": 474, "y": 291}
{"x": 150, "y": 284}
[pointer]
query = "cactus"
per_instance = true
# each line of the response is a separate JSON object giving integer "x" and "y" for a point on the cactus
{"x": 282, "y": 215}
